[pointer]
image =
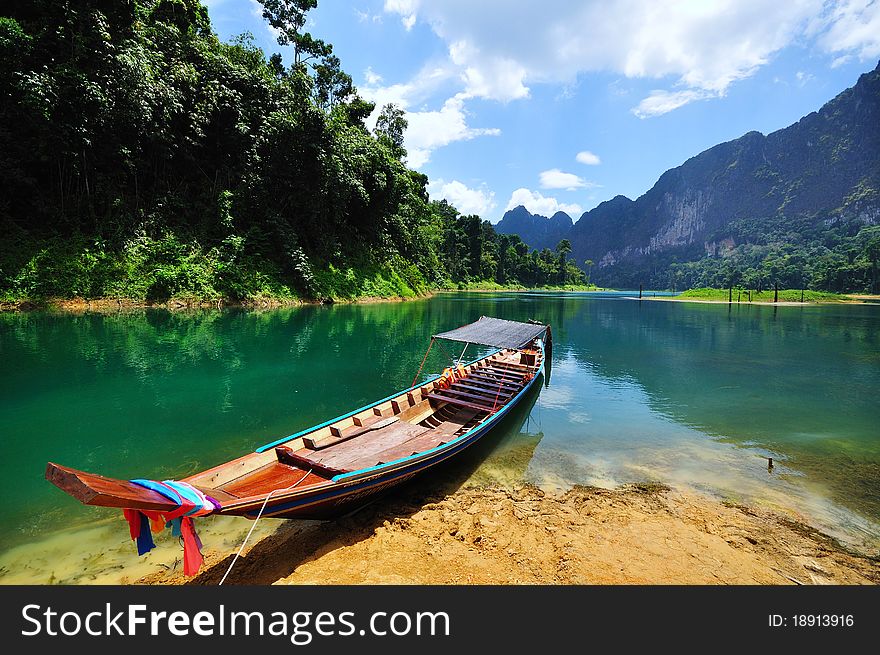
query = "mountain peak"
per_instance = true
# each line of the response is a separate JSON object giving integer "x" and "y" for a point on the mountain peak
{"x": 537, "y": 231}
{"x": 801, "y": 179}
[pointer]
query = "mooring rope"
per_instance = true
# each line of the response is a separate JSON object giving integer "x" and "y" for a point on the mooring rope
{"x": 244, "y": 543}
{"x": 423, "y": 362}
{"x": 446, "y": 352}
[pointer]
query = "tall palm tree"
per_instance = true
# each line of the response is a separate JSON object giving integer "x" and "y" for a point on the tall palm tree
{"x": 589, "y": 264}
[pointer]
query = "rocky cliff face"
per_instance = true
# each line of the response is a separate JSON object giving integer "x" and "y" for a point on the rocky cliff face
{"x": 822, "y": 170}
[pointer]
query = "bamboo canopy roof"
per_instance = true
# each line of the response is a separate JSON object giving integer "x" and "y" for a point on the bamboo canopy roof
{"x": 495, "y": 332}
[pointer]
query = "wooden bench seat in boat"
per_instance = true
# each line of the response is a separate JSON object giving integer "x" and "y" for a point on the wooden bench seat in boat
{"x": 487, "y": 389}
{"x": 489, "y": 385}
{"x": 461, "y": 403}
{"x": 504, "y": 373}
{"x": 496, "y": 381}
{"x": 516, "y": 368}
{"x": 468, "y": 395}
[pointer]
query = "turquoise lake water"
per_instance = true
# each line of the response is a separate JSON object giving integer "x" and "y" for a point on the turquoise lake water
{"x": 693, "y": 395}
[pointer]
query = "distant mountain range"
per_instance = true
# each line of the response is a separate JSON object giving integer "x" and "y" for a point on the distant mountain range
{"x": 802, "y": 180}
{"x": 538, "y": 231}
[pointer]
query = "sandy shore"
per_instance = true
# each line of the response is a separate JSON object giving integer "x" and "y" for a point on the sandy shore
{"x": 638, "y": 534}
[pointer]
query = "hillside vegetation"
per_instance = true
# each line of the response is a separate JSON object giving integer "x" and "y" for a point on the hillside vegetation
{"x": 143, "y": 158}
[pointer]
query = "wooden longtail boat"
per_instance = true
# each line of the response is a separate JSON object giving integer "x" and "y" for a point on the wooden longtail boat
{"x": 333, "y": 468}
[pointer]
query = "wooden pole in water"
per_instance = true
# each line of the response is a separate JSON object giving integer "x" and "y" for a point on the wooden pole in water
{"x": 802, "y": 294}
{"x": 730, "y": 295}
{"x": 640, "y": 291}
{"x": 775, "y": 292}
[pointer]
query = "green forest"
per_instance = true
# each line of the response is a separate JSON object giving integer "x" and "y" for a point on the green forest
{"x": 830, "y": 255}
{"x": 143, "y": 158}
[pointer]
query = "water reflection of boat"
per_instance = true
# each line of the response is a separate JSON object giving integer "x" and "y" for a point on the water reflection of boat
{"x": 334, "y": 467}
{"x": 508, "y": 461}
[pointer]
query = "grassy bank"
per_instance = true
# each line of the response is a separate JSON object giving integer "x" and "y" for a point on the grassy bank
{"x": 750, "y": 295}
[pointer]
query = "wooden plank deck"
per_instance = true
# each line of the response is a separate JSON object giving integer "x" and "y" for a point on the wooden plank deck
{"x": 351, "y": 454}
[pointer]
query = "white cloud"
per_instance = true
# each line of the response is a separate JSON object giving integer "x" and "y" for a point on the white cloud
{"x": 588, "y": 158}
{"x": 557, "y": 179}
{"x": 496, "y": 78}
{"x": 538, "y": 204}
{"x": 850, "y": 28}
{"x": 406, "y": 9}
{"x": 367, "y": 17}
{"x": 426, "y": 83}
{"x": 257, "y": 11}
{"x": 803, "y": 78}
{"x": 468, "y": 201}
{"x": 661, "y": 102}
{"x": 501, "y": 47}
{"x": 372, "y": 78}
{"x": 429, "y": 130}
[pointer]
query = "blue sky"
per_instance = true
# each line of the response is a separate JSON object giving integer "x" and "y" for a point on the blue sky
{"x": 562, "y": 104}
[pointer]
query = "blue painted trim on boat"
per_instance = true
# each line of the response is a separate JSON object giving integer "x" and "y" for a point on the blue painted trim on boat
{"x": 278, "y": 442}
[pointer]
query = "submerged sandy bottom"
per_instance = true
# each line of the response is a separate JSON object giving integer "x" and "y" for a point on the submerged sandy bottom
{"x": 486, "y": 527}
{"x": 639, "y": 534}
{"x": 103, "y": 553}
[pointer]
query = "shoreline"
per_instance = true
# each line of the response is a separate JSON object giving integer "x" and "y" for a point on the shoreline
{"x": 108, "y": 305}
{"x": 856, "y": 300}
{"x": 635, "y": 534}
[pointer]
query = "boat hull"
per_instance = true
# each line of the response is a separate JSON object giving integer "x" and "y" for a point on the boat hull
{"x": 344, "y": 498}
{"x": 265, "y": 482}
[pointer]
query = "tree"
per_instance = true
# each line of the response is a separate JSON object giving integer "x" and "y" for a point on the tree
{"x": 589, "y": 264}
{"x": 872, "y": 250}
{"x": 563, "y": 248}
{"x": 333, "y": 86}
{"x": 288, "y": 17}
{"x": 391, "y": 127}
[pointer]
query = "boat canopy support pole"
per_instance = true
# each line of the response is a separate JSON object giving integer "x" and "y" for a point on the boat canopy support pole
{"x": 423, "y": 362}
{"x": 461, "y": 357}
